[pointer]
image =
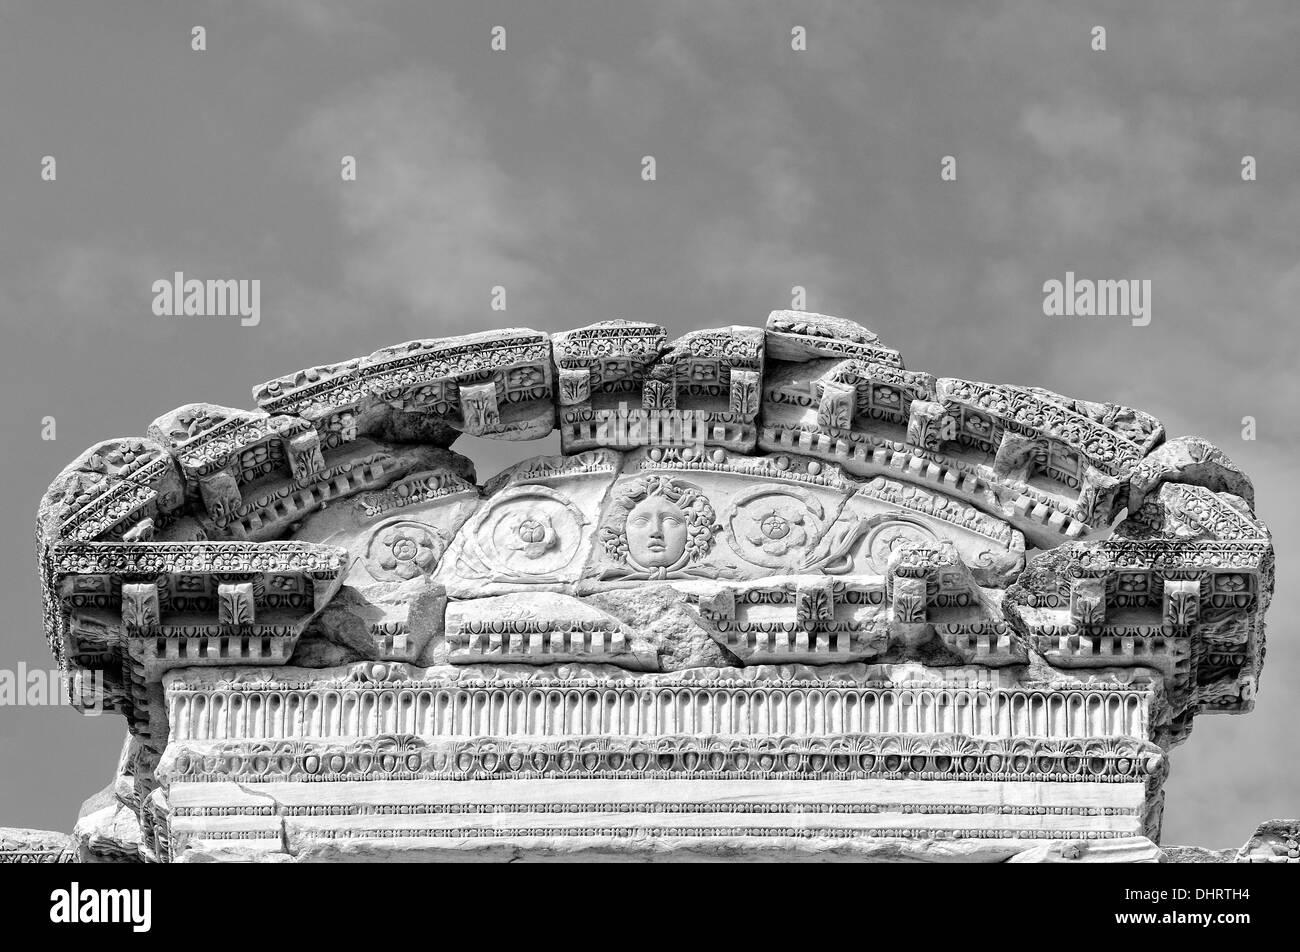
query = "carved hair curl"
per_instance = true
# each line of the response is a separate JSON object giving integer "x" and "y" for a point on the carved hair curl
{"x": 689, "y": 498}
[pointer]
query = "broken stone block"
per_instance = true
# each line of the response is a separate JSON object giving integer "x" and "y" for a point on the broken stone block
{"x": 541, "y": 628}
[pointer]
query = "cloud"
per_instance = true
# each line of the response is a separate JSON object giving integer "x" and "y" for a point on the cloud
{"x": 331, "y": 18}
{"x": 741, "y": 155}
{"x": 732, "y": 254}
{"x": 1074, "y": 130}
{"x": 432, "y": 222}
{"x": 756, "y": 132}
{"x": 85, "y": 279}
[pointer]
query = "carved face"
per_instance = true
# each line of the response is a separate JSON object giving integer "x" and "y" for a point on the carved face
{"x": 659, "y": 527}
{"x": 656, "y": 532}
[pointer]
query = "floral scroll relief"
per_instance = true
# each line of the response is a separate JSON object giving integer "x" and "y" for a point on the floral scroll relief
{"x": 528, "y": 534}
{"x": 865, "y": 547}
{"x": 402, "y": 550}
{"x": 777, "y": 527}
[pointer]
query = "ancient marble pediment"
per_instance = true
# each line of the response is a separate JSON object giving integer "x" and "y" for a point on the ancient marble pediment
{"x": 773, "y": 575}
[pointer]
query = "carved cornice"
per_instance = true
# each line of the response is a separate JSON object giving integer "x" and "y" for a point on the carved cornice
{"x": 196, "y": 558}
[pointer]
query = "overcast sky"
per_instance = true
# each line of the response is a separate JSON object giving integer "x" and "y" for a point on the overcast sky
{"x": 775, "y": 168}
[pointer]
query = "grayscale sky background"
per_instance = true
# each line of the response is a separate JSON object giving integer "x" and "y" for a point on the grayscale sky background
{"x": 775, "y": 168}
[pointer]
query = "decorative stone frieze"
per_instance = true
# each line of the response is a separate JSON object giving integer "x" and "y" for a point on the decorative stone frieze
{"x": 36, "y": 846}
{"x": 778, "y": 597}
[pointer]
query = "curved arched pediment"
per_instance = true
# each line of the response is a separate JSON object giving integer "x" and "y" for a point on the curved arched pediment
{"x": 754, "y": 540}
{"x": 777, "y": 489}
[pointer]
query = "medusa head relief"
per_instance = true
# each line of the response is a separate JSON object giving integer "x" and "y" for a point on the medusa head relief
{"x": 658, "y": 527}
